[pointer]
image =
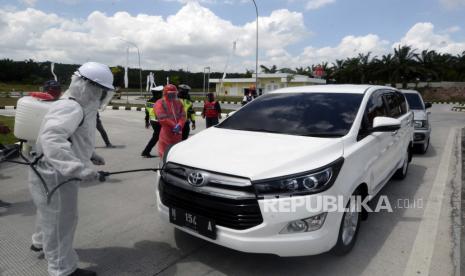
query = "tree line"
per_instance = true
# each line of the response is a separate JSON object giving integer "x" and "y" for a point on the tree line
{"x": 32, "y": 72}
{"x": 403, "y": 65}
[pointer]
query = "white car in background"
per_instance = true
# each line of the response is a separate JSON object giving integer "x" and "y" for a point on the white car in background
{"x": 288, "y": 147}
{"x": 421, "y": 119}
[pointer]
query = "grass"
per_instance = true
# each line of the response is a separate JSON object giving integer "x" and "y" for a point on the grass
{"x": 8, "y": 87}
{"x": 8, "y": 138}
{"x": 8, "y": 101}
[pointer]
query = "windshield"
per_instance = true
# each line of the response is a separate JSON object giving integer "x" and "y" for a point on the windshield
{"x": 414, "y": 101}
{"x": 304, "y": 114}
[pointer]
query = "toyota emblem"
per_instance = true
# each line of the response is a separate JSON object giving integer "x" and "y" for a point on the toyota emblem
{"x": 196, "y": 179}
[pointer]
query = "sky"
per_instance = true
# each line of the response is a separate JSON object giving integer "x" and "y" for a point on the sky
{"x": 194, "y": 34}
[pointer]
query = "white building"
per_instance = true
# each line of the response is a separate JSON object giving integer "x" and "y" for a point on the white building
{"x": 266, "y": 83}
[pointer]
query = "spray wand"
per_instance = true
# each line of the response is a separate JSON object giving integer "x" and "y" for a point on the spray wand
{"x": 102, "y": 175}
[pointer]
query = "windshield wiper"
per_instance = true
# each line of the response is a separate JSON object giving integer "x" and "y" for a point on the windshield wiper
{"x": 324, "y": 135}
{"x": 261, "y": 130}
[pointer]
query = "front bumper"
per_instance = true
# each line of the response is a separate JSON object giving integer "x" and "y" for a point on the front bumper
{"x": 265, "y": 238}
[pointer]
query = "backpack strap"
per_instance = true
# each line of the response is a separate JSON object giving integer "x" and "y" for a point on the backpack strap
{"x": 83, "y": 115}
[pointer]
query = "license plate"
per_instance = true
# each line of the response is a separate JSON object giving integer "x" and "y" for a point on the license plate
{"x": 202, "y": 225}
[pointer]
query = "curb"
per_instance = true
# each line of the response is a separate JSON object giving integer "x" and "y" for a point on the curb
{"x": 110, "y": 107}
{"x": 8, "y": 107}
{"x": 129, "y": 108}
{"x": 458, "y": 108}
{"x": 456, "y": 103}
{"x": 222, "y": 102}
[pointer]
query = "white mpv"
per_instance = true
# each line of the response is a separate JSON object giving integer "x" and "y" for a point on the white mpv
{"x": 255, "y": 182}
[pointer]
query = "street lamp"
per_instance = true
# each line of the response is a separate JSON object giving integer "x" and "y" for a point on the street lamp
{"x": 256, "y": 51}
{"x": 140, "y": 68}
{"x": 204, "y": 72}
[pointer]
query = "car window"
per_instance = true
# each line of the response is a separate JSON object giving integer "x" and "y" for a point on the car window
{"x": 393, "y": 104}
{"x": 375, "y": 108}
{"x": 305, "y": 114}
{"x": 414, "y": 101}
{"x": 402, "y": 102}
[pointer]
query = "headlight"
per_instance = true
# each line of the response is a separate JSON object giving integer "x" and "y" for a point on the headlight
{"x": 311, "y": 182}
{"x": 421, "y": 124}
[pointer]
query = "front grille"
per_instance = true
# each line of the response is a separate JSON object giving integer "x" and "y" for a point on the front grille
{"x": 236, "y": 214}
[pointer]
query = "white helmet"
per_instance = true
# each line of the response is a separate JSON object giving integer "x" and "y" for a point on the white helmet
{"x": 97, "y": 73}
{"x": 158, "y": 88}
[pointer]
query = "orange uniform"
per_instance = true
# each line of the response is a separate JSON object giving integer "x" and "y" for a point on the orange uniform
{"x": 171, "y": 116}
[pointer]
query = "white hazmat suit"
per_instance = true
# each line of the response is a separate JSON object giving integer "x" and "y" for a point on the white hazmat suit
{"x": 66, "y": 140}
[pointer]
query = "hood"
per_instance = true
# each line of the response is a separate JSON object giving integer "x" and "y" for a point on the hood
{"x": 419, "y": 114}
{"x": 255, "y": 155}
{"x": 86, "y": 94}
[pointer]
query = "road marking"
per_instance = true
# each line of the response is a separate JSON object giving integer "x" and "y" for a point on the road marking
{"x": 422, "y": 252}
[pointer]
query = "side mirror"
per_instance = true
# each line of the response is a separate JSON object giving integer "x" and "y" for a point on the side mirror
{"x": 428, "y": 105}
{"x": 385, "y": 124}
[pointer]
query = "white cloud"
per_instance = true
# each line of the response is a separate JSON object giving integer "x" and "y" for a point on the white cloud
{"x": 316, "y": 4}
{"x": 350, "y": 46}
{"x": 422, "y": 36}
{"x": 196, "y": 1}
{"x": 194, "y": 37}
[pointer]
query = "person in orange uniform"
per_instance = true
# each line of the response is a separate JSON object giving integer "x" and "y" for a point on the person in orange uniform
{"x": 171, "y": 116}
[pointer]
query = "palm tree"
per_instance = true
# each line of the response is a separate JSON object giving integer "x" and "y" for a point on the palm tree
{"x": 460, "y": 66}
{"x": 427, "y": 65}
{"x": 273, "y": 69}
{"x": 338, "y": 70}
{"x": 287, "y": 71}
{"x": 365, "y": 64}
{"x": 405, "y": 67}
{"x": 302, "y": 71}
{"x": 352, "y": 70}
{"x": 385, "y": 67}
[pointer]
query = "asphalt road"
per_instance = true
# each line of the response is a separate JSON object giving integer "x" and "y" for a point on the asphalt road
{"x": 120, "y": 233}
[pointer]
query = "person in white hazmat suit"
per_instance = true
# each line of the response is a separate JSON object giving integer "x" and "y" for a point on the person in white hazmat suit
{"x": 66, "y": 141}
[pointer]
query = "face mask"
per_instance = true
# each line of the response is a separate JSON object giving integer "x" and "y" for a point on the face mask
{"x": 171, "y": 96}
{"x": 105, "y": 98}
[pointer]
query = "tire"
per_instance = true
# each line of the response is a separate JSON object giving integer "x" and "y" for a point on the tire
{"x": 401, "y": 173}
{"x": 423, "y": 148}
{"x": 348, "y": 230}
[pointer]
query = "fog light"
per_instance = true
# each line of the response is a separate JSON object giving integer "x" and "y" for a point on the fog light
{"x": 305, "y": 225}
{"x": 297, "y": 226}
{"x": 314, "y": 223}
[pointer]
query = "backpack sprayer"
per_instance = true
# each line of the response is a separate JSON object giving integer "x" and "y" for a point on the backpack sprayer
{"x": 29, "y": 115}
